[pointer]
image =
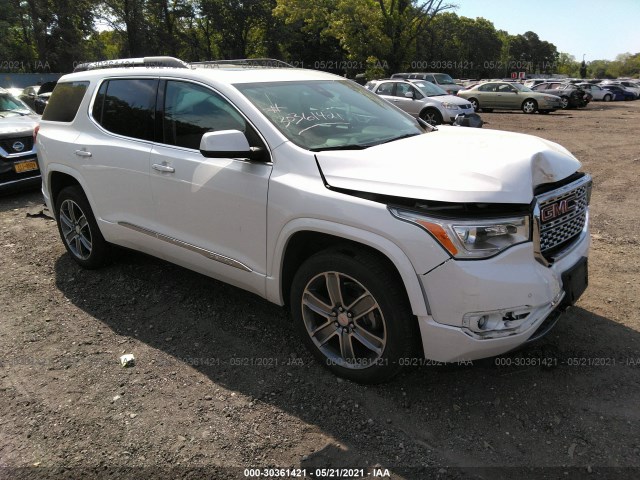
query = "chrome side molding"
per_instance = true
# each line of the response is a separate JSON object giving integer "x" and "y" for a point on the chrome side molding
{"x": 194, "y": 248}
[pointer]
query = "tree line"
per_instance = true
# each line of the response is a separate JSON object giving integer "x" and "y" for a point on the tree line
{"x": 376, "y": 37}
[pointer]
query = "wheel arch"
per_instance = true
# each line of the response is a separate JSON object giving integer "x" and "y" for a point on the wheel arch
{"x": 58, "y": 181}
{"x": 305, "y": 237}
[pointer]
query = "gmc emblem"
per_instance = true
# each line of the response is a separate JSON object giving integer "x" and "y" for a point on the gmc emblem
{"x": 558, "y": 209}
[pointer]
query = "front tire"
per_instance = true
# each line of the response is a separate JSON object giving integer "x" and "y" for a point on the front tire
{"x": 431, "y": 116}
{"x": 353, "y": 315}
{"x": 564, "y": 101}
{"x": 475, "y": 104}
{"x": 79, "y": 230}
{"x": 607, "y": 98}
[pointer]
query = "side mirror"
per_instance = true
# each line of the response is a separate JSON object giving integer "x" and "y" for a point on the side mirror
{"x": 228, "y": 144}
{"x": 409, "y": 94}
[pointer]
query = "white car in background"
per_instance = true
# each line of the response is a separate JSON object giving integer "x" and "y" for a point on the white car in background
{"x": 596, "y": 91}
{"x": 422, "y": 99}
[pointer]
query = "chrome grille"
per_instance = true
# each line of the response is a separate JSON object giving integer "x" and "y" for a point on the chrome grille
{"x": 563, "y": 214}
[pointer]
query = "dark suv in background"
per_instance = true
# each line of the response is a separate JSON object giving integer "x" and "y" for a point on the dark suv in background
{"x": 571, "y": 95}
{"x": 18, "y": 162}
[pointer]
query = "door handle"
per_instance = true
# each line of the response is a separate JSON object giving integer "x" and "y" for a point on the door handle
{"x": 163, "y": 168}
{"x": 83, "y": 153}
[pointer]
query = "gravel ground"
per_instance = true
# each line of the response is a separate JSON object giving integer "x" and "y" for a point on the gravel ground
{"x": 222, "y": 384}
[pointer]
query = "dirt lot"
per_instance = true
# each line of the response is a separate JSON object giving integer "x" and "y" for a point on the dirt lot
{"x": 221, "y": 382}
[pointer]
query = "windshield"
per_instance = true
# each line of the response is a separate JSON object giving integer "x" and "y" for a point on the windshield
{"x": 429, "y": 89}
{"x": 11, "y": 105}
{"x": 443, "y": 79}
{"x": 522, "y": 88}
{"x": 329, "y": 114}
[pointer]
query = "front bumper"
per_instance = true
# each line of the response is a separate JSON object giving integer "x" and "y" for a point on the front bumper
{"x": 20, "y": 184}
{"x": 510, "y": 285}
{"x": 450, "y": 114}
{"x": 10, "y": 180}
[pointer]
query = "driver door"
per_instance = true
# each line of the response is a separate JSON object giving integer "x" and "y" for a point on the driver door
{"x": 210, "y": 211}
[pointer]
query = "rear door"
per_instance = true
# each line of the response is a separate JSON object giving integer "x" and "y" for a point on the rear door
{"x": 113, "y": 154}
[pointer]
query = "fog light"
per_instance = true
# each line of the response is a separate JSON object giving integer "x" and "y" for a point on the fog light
{"x": 501, "y": 322}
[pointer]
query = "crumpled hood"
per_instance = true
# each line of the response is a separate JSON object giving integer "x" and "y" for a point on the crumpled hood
{"x": 18, "y": 125}
{"x": 454, "y": 164}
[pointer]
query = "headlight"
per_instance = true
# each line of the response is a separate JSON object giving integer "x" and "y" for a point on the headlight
{"x": 450, "y": 106}
{"x": 468, "y": 239}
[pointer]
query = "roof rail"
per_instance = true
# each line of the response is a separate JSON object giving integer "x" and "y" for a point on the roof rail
{"x": 148, "y": 62}
{"x": 244, "y": 63}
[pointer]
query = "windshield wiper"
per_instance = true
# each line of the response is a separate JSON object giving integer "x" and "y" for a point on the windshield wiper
{"x": 340, "y": 147}
{"x": 399, "y": 138}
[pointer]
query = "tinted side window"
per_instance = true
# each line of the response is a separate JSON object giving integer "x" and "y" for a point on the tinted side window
{"x": 488, "y": 87}
{"x": 385, "y": 89}
{"x": 127, "y": 107}
{"x": 401, "y": 89}
{"x": 65, "y": 101}
{"x": 192, "y": 110}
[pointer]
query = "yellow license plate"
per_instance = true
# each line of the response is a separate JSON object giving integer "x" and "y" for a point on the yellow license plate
{"x": 25, "y": 166}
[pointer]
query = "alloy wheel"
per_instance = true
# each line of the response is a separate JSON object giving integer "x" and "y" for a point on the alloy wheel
{"x": 75, "y": 229}
{"x": 344, "y": 320}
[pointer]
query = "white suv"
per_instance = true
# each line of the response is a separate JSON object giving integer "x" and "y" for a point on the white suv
{"x": 385, "y": 238}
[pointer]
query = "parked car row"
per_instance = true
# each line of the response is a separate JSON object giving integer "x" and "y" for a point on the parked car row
{"x": 605, "y": 90}
{"x": 434, "y": 97}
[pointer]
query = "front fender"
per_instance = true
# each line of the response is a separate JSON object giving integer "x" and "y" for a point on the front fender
{"x": 274, "y": 288}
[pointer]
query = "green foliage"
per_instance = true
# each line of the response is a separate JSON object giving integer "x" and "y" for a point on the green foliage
{"x": 377, "y": 37}
{"x": 461, "y": 46}
{"x": 567, "y": 65}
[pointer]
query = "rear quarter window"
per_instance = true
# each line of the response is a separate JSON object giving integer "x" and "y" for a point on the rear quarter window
{"x": 127, "y": 107}
{"x": 65, "y": 101}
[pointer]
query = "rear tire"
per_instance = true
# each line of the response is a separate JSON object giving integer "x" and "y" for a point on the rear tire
{"x": 353, "y": 315}
{"x": 79, "y": 230}
{"x": 607, "y": 98}
{"x": 529, "y": 106}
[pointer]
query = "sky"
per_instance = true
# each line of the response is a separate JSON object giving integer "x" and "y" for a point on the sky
{"x": 599, "y": 30}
